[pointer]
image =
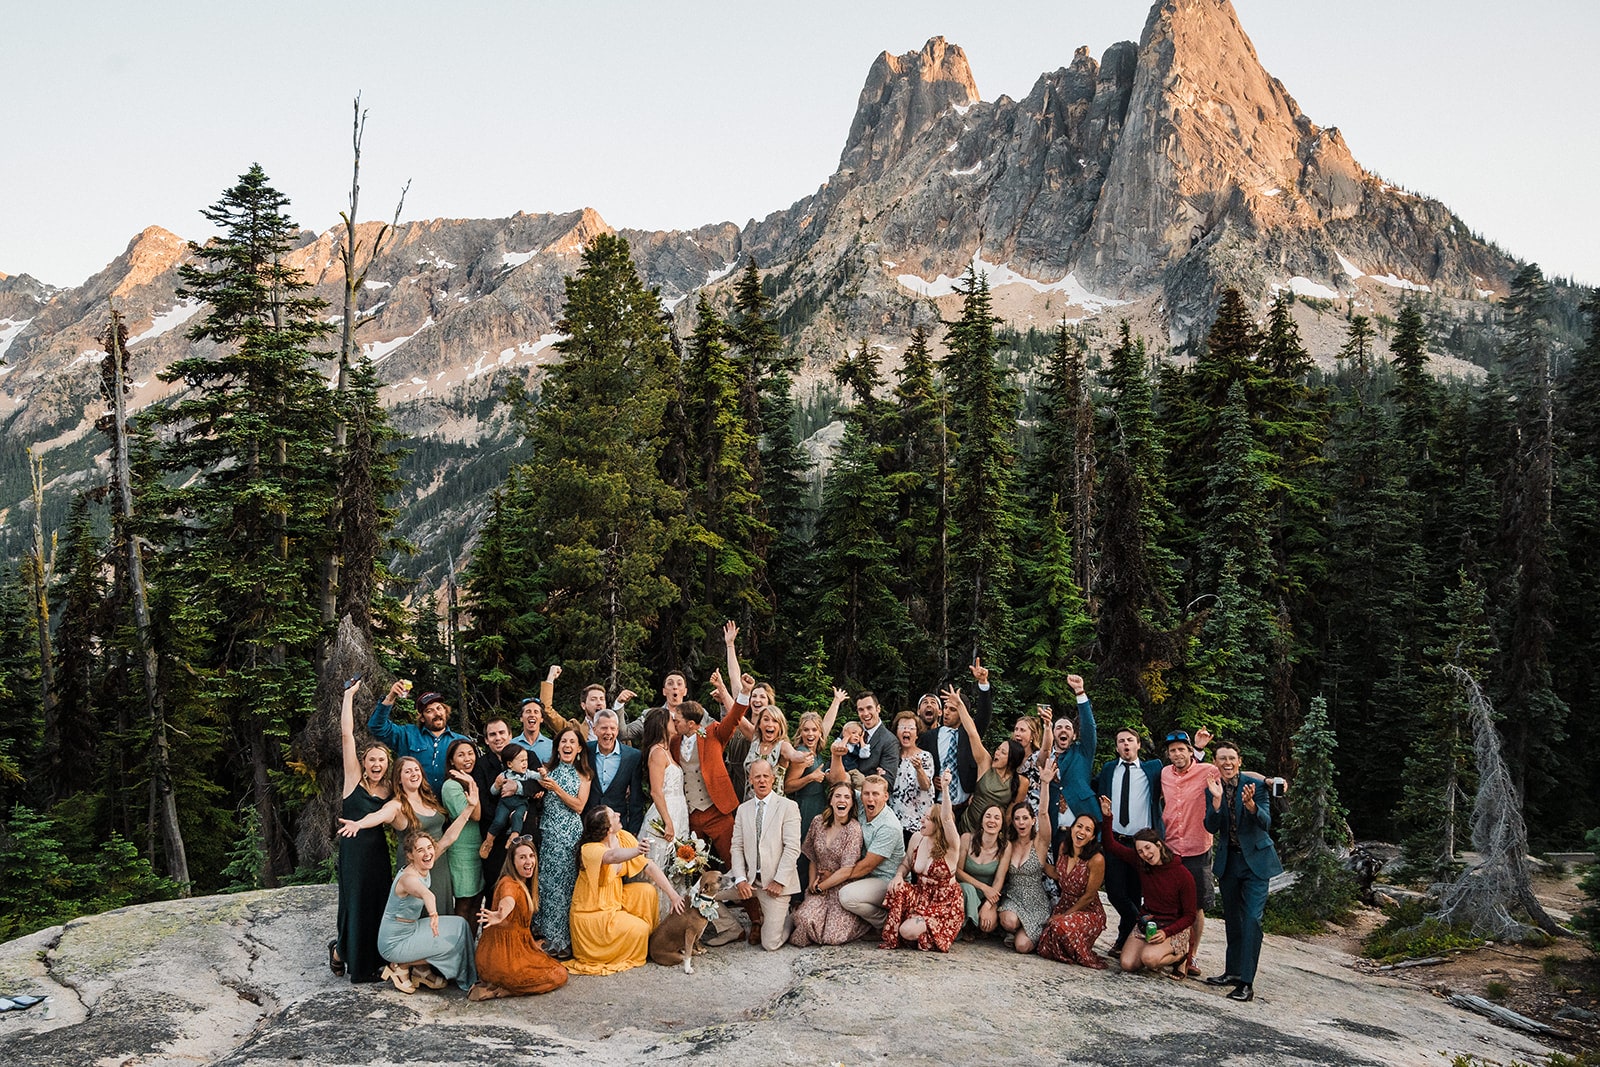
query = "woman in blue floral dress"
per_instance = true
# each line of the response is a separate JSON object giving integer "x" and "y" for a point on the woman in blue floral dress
{"x": 566, "y": 781}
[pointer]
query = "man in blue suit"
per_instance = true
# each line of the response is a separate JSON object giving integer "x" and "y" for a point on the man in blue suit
{"x": 618, "y": 783}
{"x": 1239, "y": 813}
{"x": 1134, "y": 788}
{"x": 1072, "y": 792}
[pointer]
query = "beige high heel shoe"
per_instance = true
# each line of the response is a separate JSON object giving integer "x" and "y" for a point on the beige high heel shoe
{"x": 429, "y": 977}
{"x": 399, "y": 977}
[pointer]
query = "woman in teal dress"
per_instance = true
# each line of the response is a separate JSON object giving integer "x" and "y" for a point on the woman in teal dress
{"x": 461, "y": 792}
{"x": 566, "y": 781}
{"x": 422, "y": 946}
{"x": 364, "y": 869}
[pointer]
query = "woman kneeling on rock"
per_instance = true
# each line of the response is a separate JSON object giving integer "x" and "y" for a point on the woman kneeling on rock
{"x": 422, "y": 952}
{"x": 510, "y": 962}
{"x": 1169, "y": 898}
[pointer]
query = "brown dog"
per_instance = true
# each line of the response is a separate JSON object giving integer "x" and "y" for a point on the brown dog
{"x": 676, "y": 940}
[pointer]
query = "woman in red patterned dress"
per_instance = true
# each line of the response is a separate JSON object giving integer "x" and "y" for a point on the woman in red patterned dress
{"x": 930, "y": 911}
{"x": 1079, "y": 917}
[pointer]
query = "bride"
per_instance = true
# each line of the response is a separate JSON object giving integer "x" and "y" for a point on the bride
{"x": 668, "y": 805}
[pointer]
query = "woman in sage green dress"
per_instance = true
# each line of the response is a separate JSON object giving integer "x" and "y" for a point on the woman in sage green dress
{"x": 807, "y": 780}
{"x": 981, "y": 869}
{"x": 998, "y": 778}
{"x": 566, "y": 779}
{"x": 461, "y": 791}
{"x": 424, "y": 947}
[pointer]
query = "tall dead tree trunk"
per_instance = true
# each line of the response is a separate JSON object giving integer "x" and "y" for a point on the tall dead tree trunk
{"x": 163, "y": 799}
{"x": 39, "y": 569}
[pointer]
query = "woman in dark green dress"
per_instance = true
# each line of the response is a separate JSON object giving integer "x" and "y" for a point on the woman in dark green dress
{"x": 364, "y": 871}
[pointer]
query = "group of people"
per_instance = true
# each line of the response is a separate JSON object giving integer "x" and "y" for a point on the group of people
{"x": 541, "y": 855}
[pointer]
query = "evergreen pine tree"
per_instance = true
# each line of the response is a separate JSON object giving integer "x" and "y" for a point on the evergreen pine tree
{"x": 1055, "y": 631}
{"x": 919, "y": 476}
{"x": 1440, "y": 771}
{"x": 984, "y": 507}
{"x": 602, "y": 506}
{"x": 243, "y": 485}
{"x": 1535, "y": 715}
{"x": 80, "y": 612}
{"x": 786, "y": 501}
{"x": 859, "y": 618}
{"x": 723, "y": 528}
{"x": 1314, "y": 829}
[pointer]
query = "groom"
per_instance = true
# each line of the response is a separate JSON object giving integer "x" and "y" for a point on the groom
{"x": 706, "y": 785}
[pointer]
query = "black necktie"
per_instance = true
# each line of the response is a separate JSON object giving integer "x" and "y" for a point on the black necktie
{"x": 1127, "y": 782}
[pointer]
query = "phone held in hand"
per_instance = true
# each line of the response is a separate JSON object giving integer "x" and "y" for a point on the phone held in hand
{"x": 351, "y": 684}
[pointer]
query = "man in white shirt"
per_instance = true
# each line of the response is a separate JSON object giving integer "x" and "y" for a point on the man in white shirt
{"x": 766, "y": 845}
{"x": 1134, "y": 788}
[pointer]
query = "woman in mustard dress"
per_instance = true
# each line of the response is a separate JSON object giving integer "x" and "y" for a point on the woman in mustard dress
{"x": 611, "y": 920}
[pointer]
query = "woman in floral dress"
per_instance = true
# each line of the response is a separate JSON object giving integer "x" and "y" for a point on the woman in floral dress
{"x": 1079, "y": 917}
{"x": 931, "y": 911}
{"x": 566, "y": 781}
{"x": 832, "y": 844}
{"x": 911, "y": 792}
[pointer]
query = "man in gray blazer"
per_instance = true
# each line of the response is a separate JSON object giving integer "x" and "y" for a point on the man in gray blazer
{"x": 766, "y": 844}
{"x": 879, "y": 751}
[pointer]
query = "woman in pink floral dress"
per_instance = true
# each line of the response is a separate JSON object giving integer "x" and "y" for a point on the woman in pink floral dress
{"x": 1079, "y": 917}
{"x": 931, "y": 911}
{"x": 832, "y": 844}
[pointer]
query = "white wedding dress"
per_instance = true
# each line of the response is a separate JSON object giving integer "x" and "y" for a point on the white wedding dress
{"x": 677, "y": 807}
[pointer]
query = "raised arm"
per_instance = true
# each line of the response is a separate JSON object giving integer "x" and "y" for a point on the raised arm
{"x": 347, "y": 738}
{"x": 985, "y": 698}
{"x": 832, "y": 716}
{"x": 547, "y": 695}
{"x": 836, "y": 771}
{"x": 980, "y": 752}
{"x": 1088, "y": 736}
{"x": 379, "y": 724}
{"x": 1108, "y": 839}
{"x": 724, "y": 729}
{"x": 947, "y": 813}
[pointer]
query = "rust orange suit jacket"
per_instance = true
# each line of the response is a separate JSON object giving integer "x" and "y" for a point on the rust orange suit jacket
{"x": 713, "y": 768}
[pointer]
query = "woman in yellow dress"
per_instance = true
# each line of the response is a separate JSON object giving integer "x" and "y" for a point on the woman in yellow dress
{"x": 611, "y": 919}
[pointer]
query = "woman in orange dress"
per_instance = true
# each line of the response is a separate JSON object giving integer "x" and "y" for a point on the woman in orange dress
{"x": 611, "y": 920}
{"x": 510, "y": 962}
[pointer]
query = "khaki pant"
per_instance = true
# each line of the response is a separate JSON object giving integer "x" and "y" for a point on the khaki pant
{"x": 775, "y": 920}
{"x": 864, "y": 897}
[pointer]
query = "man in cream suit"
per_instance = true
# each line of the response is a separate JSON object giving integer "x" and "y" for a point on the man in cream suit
{"x": 766, "y": 844}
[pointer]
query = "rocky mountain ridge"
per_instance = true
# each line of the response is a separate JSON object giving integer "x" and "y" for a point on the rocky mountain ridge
{"x": 1136, "y": 185}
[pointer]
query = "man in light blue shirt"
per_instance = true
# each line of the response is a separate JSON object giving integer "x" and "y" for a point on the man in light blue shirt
{"x": 884, "y": 845}
{"x": 530, "y": 738}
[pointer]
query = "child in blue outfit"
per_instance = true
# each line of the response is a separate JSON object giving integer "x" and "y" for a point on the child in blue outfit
{"x": 513, "y": 807}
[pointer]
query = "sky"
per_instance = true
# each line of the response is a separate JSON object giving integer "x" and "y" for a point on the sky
{"x": 672, "y": 114}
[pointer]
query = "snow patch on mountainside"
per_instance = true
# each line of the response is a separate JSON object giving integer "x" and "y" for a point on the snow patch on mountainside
{"x": 168, "y": 321}
{"x": 9, "y": 329}
{"x": 1002, "y": 274}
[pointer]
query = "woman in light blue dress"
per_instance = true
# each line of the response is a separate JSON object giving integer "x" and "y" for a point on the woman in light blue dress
{"x": 566, "y": 781}
{"x": 422, "y": 946}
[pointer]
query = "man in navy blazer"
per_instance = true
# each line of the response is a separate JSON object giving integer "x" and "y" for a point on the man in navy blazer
{"x": 618, "y": 780}
{"x": 949, "y": 736}
{"x": 1134, "y": 788}
{"x": 1239, "y": 814}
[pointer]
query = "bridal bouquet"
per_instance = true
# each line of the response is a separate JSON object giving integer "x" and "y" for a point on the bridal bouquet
{"x": 691, "y": 856}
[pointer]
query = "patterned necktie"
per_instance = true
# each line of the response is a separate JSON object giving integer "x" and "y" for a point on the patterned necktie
{"x": 948, "y": 758}
{"x": 761, "y": 811}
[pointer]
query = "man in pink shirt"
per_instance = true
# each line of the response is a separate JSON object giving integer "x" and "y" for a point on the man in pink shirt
{"x": 1183, "y": 792}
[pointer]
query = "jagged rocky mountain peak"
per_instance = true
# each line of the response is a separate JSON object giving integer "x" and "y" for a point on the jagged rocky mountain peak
{"x": 904, "y": 96}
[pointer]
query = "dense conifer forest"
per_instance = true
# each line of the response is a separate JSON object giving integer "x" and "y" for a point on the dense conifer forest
{"x": 1240, "y": 541}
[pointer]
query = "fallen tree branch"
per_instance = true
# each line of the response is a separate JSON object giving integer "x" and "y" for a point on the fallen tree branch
{"x": 1503, "y": 1016}
{"x": 1427, "y": 961}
